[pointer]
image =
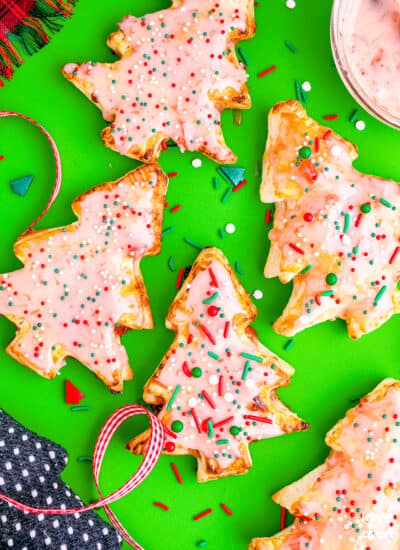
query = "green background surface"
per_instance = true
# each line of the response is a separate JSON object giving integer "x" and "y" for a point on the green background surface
{"x": 331, "y": 370}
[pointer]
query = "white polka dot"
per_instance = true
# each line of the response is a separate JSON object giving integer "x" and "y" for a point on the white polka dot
{"x": 40, "y": 517}
{"x": 1, "y": 481}
{"x": 63, "y": 547}
{"x": 17, "y": 526}
{"x": 306, "y": 86}
{"x": 8, "y": 465}
{"x": 47, "y": 541}
{"x": 52, "y": 455}
{"x": 18, "y": 487}
{"x": 31, "y": 458}
{"x": 16, "y": 451}
{"x": 3, "y": 519}
{"x": 258, "y": 294}
{"x": 228, "y": 397}
{"x": 360, "y": 125}
{"x": 213, "y": 379}
{"x": 25, "y": 473}
{"x": 290, "y": 4}
{"x": 10, "y": 542}
{"x": 105, "y": 531}
{"x": 230, "y": 228}
{"x": 49, "y": 500}
{"x": 196, "y": 163}
{"x": 85, "y": 537}
{"x": 1, "y": 443}
{"x": 70, "y": 531}
{"x": 56, "y": 524}
{"x": 32, "y": 533}
{"x": 38, "y": 445}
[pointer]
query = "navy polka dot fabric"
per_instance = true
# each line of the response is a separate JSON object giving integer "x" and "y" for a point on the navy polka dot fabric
{"x": 30, "y": 469}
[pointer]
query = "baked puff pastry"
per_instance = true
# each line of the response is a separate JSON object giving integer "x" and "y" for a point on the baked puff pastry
{"x": 215, "y": 391}
{"x": 352, "y": 501}
{"x": 336, "y": 231}
{"x": 81, "y": 284}
{"x": 177, "y": 72}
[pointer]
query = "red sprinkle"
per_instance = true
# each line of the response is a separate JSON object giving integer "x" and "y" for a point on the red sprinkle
{"x": 317, "y": 144}
{"x": 318, "y": 299}
{"x": 283, "y": 518}
{"x": 394, "y": 255}
{"x": 214, "y": 281}
{"x": 164, "y": 145}
{"x": 221, "y": 386}
{"x": 2, "y": 157}
{"x": 180, "y": 277}
{"x": 176, "y": 208}
{"x": 226, "y": 509}
{"x": 267, "y": 71}
{"x": 203, "y": 514}
{"x": 296, "y": 248}
{"x": 331, "y": 117}
{"x": 172, "y": 174}
{"x": 208, "y": 398}
{"x": 359, "y": 219}
{"x": 185, "y": 368}
{"x": 327, "y": 134}
{"x": 239, "y": 186}
{"x": 223, "y": 422}
{"x": 257, "y": 418}
{"x": 176, "y": 472}
{"x": 168, "y": 431}
{"x": 161, "y": 505}
{"x": 196, "y": 420}
{"x": 226, "y": 329}
{"x": 268, "y": 214}
{"x": 208, "y": 334}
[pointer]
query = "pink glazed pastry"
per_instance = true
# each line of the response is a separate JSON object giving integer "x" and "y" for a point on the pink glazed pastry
{"x": 81, "y": 285}
{"x": 215, "y": 390}
{"x": 178, "y": 70}
{"x": 352, "y": 501}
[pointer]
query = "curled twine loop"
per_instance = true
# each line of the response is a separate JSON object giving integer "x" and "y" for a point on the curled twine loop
{"x": 156, "y": 441}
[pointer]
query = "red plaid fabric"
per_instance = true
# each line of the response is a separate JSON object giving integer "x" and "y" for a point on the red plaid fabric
{"x": 26, "y": 26}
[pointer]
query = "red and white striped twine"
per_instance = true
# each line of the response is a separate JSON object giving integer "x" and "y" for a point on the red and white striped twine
{"x": 156, "y": 441}
{"x": 56, "y": 154}
{"x": 154, "y": 448}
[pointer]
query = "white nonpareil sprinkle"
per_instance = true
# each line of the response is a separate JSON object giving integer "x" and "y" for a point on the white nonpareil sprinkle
{"x": 290, "y": 4}
{"x": 258, "y": 294}
{"x": 196, "y": 163}
{"x": 360, "y": 125}
{"x": 306, "y": 86}
{"x": 230, "y": 228}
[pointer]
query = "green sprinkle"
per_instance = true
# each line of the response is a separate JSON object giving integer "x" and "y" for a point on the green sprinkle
{"x": 235, "y": 430}
{"x": 196, "y": 372}
{"x": 210, "y": 429}
{"x": 173, "y": 397}
{"x": 81, "y": 408}
{"x": 213, "y": 355}
{"x": 306, "y": 269}
{"x": 201, "y": 543}
{"x": 216, "y": 183}
{"x": 346, "y": 226}
{"x": 379, "y": 295}
{"x": 226, "y": 195}
{"x": 167, "y": 230}
{"x": 171, "y": 263}
{"x": 238, "y": 268}
{"x": 222, "y": 441}
{"x": 289, "y": 344}
{"x": 327, "y": 293}
{"x": 385, "y": 203}
{"x": 290, "y": 46}
{"x": 245, "y": 370}
{"x": 354, "y": 115}
{"x": 211, "y": 298}
{"x": 84, "y": 459}
{"x": 193, "y": 243}
{"x": 331, "y": 279}
{"x": 243, "y": 56}
{"x": 252, "y": 357}
{"x": 177, "y": 426}
{"x": 365, "y": 208}
{"x": 305, "y": 152}
{"x": 300, "y": 94}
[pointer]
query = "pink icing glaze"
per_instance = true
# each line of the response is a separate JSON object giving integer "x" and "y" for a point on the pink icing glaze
{"x": 220, "y": 357}
{"x": 371, "y": 42}
{"x": 164, "y": 84}
{"x": 357, "y": 498}
{"x": 72, "y": 292}
{"x": 324, "y": 231}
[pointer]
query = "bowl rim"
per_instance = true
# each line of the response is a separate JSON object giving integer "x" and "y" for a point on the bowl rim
{"x": 343, "y": 68}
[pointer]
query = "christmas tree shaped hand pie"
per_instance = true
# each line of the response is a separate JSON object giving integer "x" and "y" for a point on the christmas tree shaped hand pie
{"x": 178, "y": 70}
{"x": 336, "y": 231}
{"x": 217, "y": 384}
{"x": 81, "y": 285}
{"x": 352, "y": 501}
